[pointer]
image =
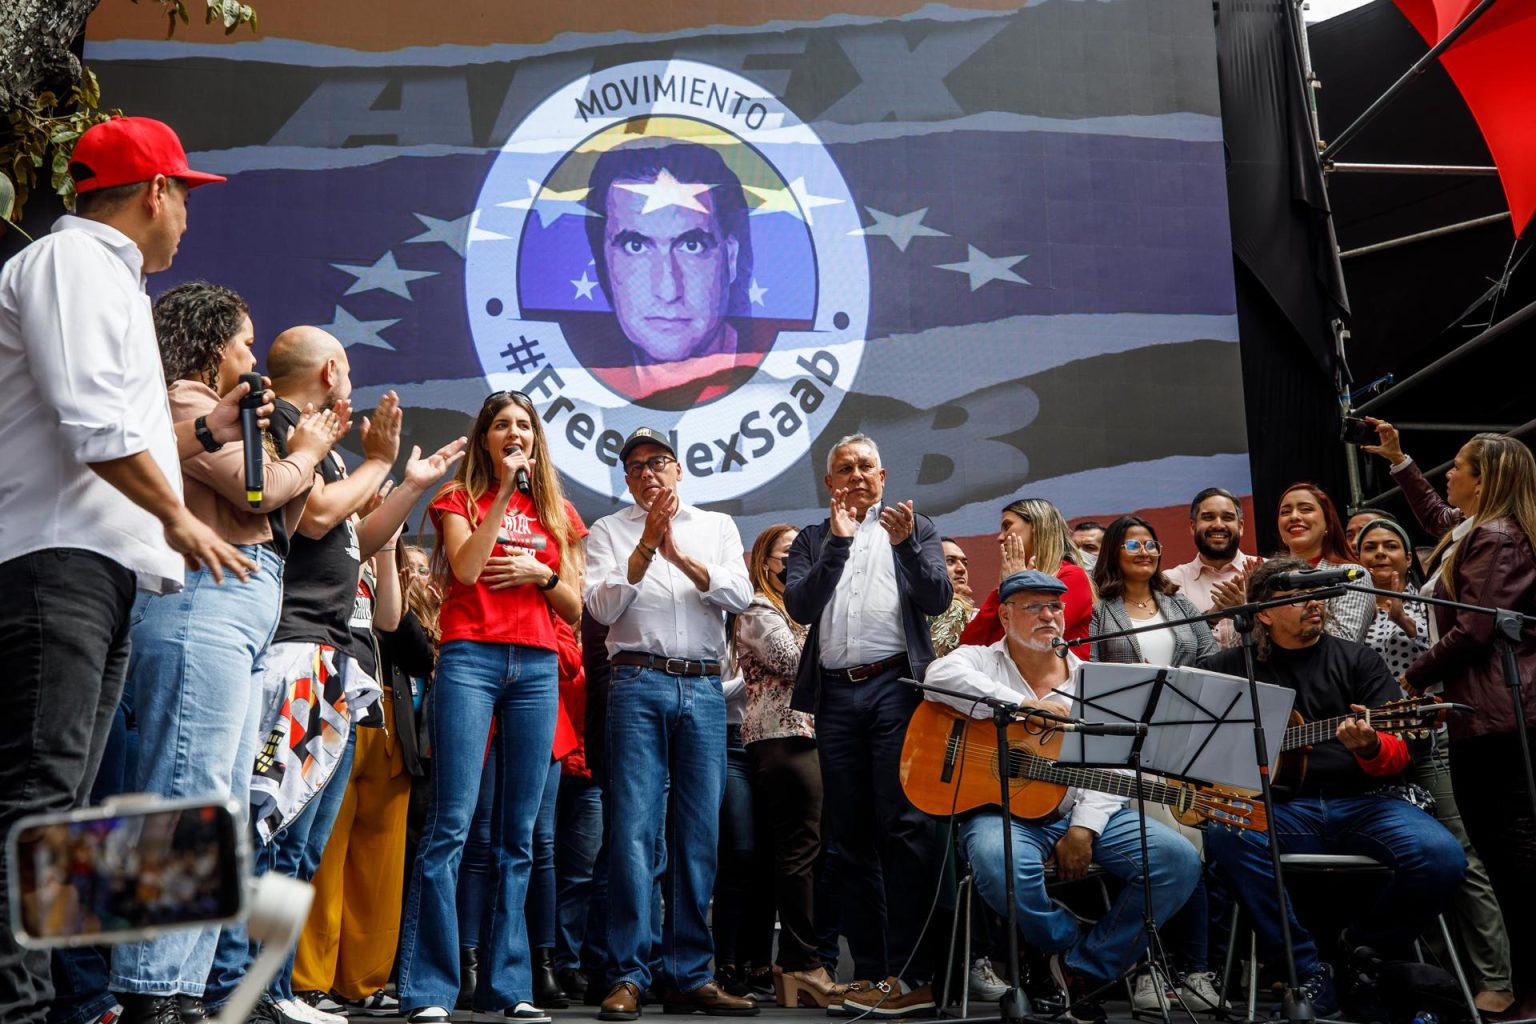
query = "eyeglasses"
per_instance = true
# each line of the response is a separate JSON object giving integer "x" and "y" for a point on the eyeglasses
{"x": 1036, "y": 607}
{"x": 417, "y": 570}
{"x": 1151, "y": 547}
{"x": 656, "y": 463}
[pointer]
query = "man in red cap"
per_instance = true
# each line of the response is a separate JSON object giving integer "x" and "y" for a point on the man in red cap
{"x": 90, "y": 503}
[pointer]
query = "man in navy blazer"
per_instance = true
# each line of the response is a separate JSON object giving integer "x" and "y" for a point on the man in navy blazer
{"x": 865, "y": 581}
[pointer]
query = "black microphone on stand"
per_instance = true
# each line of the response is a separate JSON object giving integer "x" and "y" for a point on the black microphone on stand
{"x": 521, "y": 479}
{"x": 1312, "y": 579}
{"x": 1060, "y": 723}
{"x": 250, "y": 430}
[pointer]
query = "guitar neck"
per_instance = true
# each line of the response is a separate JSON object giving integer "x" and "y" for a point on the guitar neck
{"x": 1100, "y": 780}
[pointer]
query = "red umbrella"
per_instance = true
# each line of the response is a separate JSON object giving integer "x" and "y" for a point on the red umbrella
{"x": 1494, "y": 66}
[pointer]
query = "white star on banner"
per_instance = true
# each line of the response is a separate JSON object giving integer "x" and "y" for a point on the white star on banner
{"x": 455, "y": 234}
{"x": 584, "y": 286}
{"x": 384, "y": 275}
{"x": 552, "y": 205}
{"x": 756, "y": 293}
{"x": 981, "y": 268}
{"x": 666, "y": 191}
{"x": 349, "y": 330}
{"x": 795, "y": 200}
{"x": 899, "y": 229}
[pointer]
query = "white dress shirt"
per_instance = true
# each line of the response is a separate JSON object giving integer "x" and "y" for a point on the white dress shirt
{"x": 861, "y": 624}
{"x": 81, "y": 379}
{"x": 665, "y": 614}
{"x": 990, "y": 672}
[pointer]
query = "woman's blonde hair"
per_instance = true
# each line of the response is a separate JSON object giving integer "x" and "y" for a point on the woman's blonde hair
{"x": 1052, "y": 538}
{"x": 478, "y": 472}
{"x": 1507, "y": 472}
{"x": 421, "y": 597}
{"x": 757, "y": 562}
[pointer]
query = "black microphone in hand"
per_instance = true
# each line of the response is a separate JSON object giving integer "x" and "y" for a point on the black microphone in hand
{"x": 1312, "y": 579}
{"x": 250, "y": 431}
{"x": 521, "y": 478}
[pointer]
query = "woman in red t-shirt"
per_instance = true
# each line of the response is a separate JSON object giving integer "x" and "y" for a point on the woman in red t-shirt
{"x": 504, "y": 534}
{"x": 1033, "y": 535}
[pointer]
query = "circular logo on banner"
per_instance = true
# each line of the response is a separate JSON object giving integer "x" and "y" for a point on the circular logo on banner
{"x": 659, "y": 244}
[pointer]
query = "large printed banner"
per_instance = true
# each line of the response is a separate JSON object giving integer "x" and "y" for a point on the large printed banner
{"x": 993, "y": 238}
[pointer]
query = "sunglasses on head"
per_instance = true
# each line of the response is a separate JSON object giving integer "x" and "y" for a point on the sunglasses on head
{"x": 496, "y": 396}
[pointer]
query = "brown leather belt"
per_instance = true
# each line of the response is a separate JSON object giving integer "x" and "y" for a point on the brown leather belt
{"x": 859, "y": 673}
{"x": 671, "y": 666}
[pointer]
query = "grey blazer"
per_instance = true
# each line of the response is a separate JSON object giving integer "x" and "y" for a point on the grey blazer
{"x": 1191, "y": 642}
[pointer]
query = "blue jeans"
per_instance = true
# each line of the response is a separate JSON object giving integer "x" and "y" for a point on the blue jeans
{"x": 540, "y": 910}
{"x": 578, "y": 833}
{"x": 1426, "y": 861}
{"x": 662, "y": 730}
{"x": 197, "y": 704}
{"x": 477, "y": 868}
{"x": 1117, "y": 939}
{"x": 476, "y": 682}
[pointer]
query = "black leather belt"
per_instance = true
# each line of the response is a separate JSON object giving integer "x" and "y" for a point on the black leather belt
{"x": 671, "y": 666}
{"x": 859, "y": 673}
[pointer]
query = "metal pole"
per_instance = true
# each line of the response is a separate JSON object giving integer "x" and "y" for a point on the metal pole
{"x": 1460, "y": 428}
{"x": 1524, "y": 428}
{"x": 1493, "y": 333}
{"x": 1397, "y": 87}
{"x": 1343, "y": 168}
{"x": 1393, "y": 243}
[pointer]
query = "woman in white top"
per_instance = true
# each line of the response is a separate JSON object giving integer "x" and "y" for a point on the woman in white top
{"x": 1134, "y": 592}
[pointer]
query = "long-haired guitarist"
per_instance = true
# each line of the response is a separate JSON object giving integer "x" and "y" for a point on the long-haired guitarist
{"x": 1086, "y": 827}
{"x": 1343, "y": 801}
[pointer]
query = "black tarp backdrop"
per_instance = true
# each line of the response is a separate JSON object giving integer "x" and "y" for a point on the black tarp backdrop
{"x": 1408, "y": 303}
{"x": 1285, "y": 295}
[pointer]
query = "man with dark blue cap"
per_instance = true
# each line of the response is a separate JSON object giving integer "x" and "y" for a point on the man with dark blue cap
{"x": 1086, "y": 827}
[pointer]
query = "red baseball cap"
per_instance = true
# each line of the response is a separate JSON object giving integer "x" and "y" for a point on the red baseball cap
{"x": 127, "y": 150}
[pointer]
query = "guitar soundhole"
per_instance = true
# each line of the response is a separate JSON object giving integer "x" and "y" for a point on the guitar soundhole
{"x": 1016, "y": 762}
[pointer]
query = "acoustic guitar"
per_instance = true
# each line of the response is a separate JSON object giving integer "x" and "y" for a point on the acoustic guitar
{"x": 1408, "y": 717}
{"x": 949, "y": 764}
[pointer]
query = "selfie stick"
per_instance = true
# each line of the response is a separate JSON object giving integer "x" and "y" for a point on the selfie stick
{"x": 278, "y": 907}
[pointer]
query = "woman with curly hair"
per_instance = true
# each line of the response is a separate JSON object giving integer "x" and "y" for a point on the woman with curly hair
{"x": 194, "y": 652}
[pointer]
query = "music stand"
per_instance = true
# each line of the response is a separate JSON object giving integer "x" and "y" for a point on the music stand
{"x": 1196, "y": 728}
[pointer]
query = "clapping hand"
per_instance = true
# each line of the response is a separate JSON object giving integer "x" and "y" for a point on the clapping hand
{"x": 844, "y": 522}
{"x": 898, "y": 520}
{"x": 422, "y": 473}
{"x": 1013, "y": 557}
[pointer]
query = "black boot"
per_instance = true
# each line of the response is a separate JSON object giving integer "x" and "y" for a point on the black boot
{"x": 573, "y": 982}
{"x": 547, "y": 993}
{"x": 140, "y": 1009}
{"x": 469, "y": 971}
{"x": 191, "y": 1009}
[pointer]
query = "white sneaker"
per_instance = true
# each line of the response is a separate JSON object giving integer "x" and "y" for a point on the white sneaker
{"x": 299, "y": 1010}
{"x": 1198, "y": 992}
{"x": 429, "y": 1015}
{"x": 1149, "y": 992}
{"x": 984, "y": 982}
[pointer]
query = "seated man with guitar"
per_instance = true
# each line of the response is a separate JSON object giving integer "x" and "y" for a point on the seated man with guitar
{"x": 1079, "y": 826}
{"x": 1345, "y": 798}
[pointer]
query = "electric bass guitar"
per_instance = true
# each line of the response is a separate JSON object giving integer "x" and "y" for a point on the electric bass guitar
{"x": 949, "y": 764}
{"x": 1409, "y": 717}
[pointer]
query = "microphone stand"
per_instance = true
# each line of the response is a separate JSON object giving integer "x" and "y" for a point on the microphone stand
{"x": 1507, "y": 627}
{"x": 1014, "y": 1004}
{"x": 1294, "y": 1004}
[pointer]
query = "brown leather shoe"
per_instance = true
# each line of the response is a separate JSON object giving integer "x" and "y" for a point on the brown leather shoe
{"x": 709, "y": 998}
{"x": 623, "y": 1003}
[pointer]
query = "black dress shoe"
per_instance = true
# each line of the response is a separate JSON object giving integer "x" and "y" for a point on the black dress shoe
{"x": 547, "y": 992}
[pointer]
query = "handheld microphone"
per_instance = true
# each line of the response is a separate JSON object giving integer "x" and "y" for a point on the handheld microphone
{"x": 1312, "y": 579}
{"x": 250, "y": 430}
{"x": 521, "y": 479}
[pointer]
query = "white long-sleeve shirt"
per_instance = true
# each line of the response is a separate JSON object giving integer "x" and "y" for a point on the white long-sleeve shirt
{"x": 862, "y": 622}
{"x": 665, "y": 614}
{"x": 990, "y": 672}
{"x": 81, "y": 382}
